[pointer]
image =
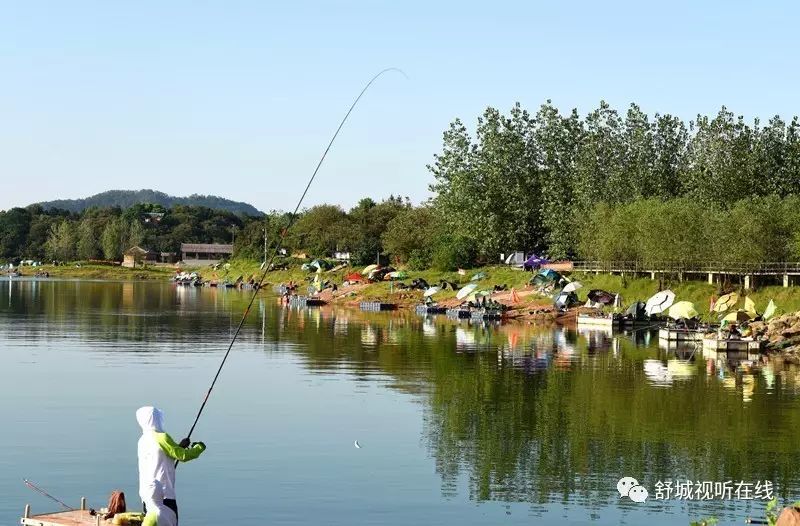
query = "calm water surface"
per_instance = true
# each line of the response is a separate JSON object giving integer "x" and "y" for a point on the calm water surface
{"x": 459, "y": 423}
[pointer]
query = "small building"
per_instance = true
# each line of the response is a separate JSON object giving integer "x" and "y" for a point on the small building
{"x": 138, "y": 257}
{"x": 205, "y": 253}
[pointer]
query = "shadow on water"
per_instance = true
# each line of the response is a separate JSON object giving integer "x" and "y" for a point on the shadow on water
{"x": 523, "y": 414}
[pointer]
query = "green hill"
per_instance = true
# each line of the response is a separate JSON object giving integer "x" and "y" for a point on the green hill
{"x": 127, "y": 198}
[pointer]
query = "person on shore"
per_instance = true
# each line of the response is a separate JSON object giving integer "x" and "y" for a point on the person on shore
{"x": 157, "y": 455}
{"x": 158, "y": 514}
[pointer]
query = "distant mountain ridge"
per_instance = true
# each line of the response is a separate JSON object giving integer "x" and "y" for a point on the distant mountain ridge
{"x": 127, "y": 198}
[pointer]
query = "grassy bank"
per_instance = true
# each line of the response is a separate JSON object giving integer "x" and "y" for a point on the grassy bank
{"x": 109, "y": 272}
{"x": 698, "y": 292}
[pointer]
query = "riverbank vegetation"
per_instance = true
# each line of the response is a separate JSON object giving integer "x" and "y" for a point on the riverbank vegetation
{"x": 608, "y": 185}
{"x": 105, "y": 233}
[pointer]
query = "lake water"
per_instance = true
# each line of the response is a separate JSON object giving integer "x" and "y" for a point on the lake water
{"x": 459, "y": 423}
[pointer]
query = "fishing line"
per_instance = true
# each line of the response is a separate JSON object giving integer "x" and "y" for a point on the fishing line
{"x": 275, "y": 253}
{"x": 39, "y": 490}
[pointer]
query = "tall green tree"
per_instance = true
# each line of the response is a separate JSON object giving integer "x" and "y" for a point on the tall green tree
{"x": 599, "y": 171}
{"x": 112, "y": 238}
{"x": 721, "y": 161}
{"x": 88, "y": 243}
{"x": 557, "y": 140}
{"x": 61, "y": 242}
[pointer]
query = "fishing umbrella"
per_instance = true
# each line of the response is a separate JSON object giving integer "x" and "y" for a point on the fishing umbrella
{"x": 682, "y": 309}
{"x": 659, "y": 302}
{"x": 368, "y": 269}
{"x": 478, "y": 294}
{"x": 354, "y": 276}
{"x": 601, "y": 296}
{"x": 550, "y": 273}
{"x": 769, "y": 312}
{"x": 479, "y": 276}
{"x": 726, "y": 301}
{"x": 636, "y": 310}
{"x": 546, "y": 276}
{"x": 535, "y": 261}
{"x": 430, "y": 292}
{"x": 466, "y": 290}
{"x": 739, "y": 316}
{"x": 564, "y": 300}
{"x": 573, "y": 286}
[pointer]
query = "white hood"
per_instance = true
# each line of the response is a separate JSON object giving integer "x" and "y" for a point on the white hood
{"x": 150, "y": 419}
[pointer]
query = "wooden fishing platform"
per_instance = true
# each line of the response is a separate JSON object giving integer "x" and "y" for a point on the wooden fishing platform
{"x": 615, "y": 322}
{"x": 680, "y": 335}
{"x": 79, "y": 517}
{"x": 458, "y": 313}
{"x": 377, "y": 306}
{"x": 305, "y": 301}
{"x": 725, "y": 345}
{"x": 487, "y": 314}
{"x": 426, "y": 309}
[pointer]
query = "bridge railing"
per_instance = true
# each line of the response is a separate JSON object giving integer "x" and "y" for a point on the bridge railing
{"x": 765, "y": 268}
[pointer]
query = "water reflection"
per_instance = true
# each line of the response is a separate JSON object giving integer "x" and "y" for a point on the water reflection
{"x": 510, "y": 412}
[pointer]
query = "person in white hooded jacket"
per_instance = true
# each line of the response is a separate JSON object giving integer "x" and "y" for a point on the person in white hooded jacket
{"x": 157, "y": 455}
{"x": 158, "y": 514}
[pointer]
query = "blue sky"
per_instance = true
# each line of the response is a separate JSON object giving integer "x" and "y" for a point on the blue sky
{"x": 239, "y": 98}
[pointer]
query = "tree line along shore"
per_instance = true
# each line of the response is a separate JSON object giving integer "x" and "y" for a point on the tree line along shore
{"x": 606, "y": 186}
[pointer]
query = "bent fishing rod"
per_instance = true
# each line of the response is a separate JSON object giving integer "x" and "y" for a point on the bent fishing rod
{"x": 268, "y": 264}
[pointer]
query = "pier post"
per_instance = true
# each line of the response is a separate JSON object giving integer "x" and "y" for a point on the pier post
{"x": 747, "y": 282}
{"x": 653, "y": 276}
{"x": 710, "y": 278}
{"x": 785, "y": 280}
{"x": 83, "y": 503}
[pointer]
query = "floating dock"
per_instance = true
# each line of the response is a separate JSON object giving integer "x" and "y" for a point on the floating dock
{"x": 79, "y": 517}
{"x": 486, "y": 315}
{"x": 726, "y": 345}
{"x": 377, "y": 306}
{"x": 305, "y": 301}
{"x": 616, "y": 322}
{"x": 459, "y": 313}
{"x": 430, "y": 309}
{"x": 680, "y": 335}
